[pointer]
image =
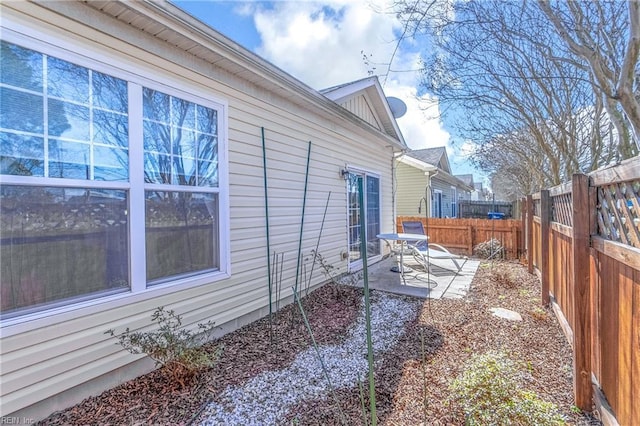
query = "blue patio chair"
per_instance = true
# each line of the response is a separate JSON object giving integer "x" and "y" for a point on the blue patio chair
{"x": 424, "y": 251}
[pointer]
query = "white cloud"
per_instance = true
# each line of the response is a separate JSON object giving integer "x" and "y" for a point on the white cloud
{"x": 421, "y": 124}
{"x": 323, "y": 44}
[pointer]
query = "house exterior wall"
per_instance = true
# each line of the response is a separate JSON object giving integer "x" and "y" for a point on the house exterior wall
{"x": 447, "y": 194}
{"x": 57, "y": 360}
{"x": 412, "y": 183}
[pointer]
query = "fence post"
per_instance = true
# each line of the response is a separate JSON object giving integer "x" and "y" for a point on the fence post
{"x": 523, "y": 220}
{"x": 545, "y": 252}
{"x": 529, "y": 233}
{"x": 514, "y": 242}
{"x": 582, "y": 223}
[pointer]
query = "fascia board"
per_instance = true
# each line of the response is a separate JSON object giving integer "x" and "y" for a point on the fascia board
{"x": 421, "y": 165}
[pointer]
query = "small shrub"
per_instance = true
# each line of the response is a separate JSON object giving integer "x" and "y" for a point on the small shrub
{"x": 505, "y": 277}
{"x": 539, "y": 314}
{"x": 329, "y": 272}
{"x": 488, "y": 392}
{"x": 491, "y": 249}
{"x": 178, "y": 350}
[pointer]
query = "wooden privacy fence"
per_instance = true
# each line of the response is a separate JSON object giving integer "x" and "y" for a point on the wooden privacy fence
{"x": 469, "y": 209}
{"x": 583, "y": 241}
{"x": 462, "y": 235}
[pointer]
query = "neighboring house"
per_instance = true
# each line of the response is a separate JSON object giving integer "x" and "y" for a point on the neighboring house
{"x": 132, "y": 177}
{"x": 412, "y": 186}
{"x": 425, "y": 174}
{"x": 480, "y": 193}
{"x": 467, "y": 179}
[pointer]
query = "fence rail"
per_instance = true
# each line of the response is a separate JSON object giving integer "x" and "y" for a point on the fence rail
{"x": 583, "y": 241}
{"x": 462, "y": 235}
{"x": 470, "y": 209}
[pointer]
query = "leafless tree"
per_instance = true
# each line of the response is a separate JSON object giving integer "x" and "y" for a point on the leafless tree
{"x": 508, "y": 82}
{"x": 605, "y": 36}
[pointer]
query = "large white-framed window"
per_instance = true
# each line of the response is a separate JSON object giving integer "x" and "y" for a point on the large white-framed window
{"x": 112, "y": 183}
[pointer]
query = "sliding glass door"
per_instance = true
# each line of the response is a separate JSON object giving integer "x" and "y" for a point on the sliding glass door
{"x": 371, "y": 196}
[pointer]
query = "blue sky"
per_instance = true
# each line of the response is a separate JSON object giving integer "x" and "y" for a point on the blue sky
{"x": 332, "y": 42}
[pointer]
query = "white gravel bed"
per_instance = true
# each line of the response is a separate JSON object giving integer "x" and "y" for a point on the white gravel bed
{"x": 268, "y": 397}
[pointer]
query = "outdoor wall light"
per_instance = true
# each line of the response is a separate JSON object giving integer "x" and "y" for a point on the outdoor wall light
{"x": 344, "y": 173}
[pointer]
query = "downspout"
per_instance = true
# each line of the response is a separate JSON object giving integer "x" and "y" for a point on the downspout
{"x": 427, "y": 192}
{"x": 394, "y": 189}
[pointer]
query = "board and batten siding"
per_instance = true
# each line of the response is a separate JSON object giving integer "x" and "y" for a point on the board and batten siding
{"x": 359, "y": 105}
{"x": 412, "y": 183}
{"x": 68, "y": 357}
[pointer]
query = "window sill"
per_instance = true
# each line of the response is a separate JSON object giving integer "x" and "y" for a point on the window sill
{"x": 73, "y": 311}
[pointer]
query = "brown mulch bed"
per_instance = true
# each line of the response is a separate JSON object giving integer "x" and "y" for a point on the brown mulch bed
{"x": 412, "y": 379}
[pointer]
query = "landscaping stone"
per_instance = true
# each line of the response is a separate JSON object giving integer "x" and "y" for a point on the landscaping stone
{"x": 506, "y": 314}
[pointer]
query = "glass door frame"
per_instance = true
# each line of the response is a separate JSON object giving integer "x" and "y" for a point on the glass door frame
{"x": 353, "y": 230}
{"x": 436, "y": 206}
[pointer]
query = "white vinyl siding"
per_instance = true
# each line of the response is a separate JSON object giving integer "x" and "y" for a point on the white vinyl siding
{"x": 72, "y": 344}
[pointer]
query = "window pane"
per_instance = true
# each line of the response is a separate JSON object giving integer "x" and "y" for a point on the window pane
{"x": 207, "y": 120}
{"x": 187, "y": 133}
{"x": 185, "y": 173}
{"x": 183, "y": 113}
{"x": 67, "y": 81}
{"x": 21, "y": 155}
{"x": 59, "y": 244}
{"x": 181, "y": 234}
{"x": 208, "y": 173}
{"x": 184, "y": 143}
{"x": 109, "y": 93}
{"x": 76, "y": 117}
{"x": 208, "y": 164}
{"x": 69, "y": 160}
{"x": 110, "y": 128}
{"x": 20, "y": 67}
{"x": 157, "y": 168}
{"x": 85, "y": 110}
{"x": 110, "y": 164}
{"x": 157, "y": 137}
{"x": 23, "y": 111}
{"x": 155, "y": 105}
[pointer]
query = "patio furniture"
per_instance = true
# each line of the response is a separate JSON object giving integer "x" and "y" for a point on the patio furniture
{"x": 423, "y": 252}
{"x": 403, "y": 238}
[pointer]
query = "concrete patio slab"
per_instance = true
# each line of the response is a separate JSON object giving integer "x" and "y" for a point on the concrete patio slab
{"x": 440, "y": 282}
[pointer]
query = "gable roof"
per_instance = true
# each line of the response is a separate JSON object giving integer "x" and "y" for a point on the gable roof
{"x": 227, "y": 61}
{"x": 371, "y": 90}
{"x": 418, "y": 164}
{"x": 436, "y": 156}
{"x": 467, "y": 179}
